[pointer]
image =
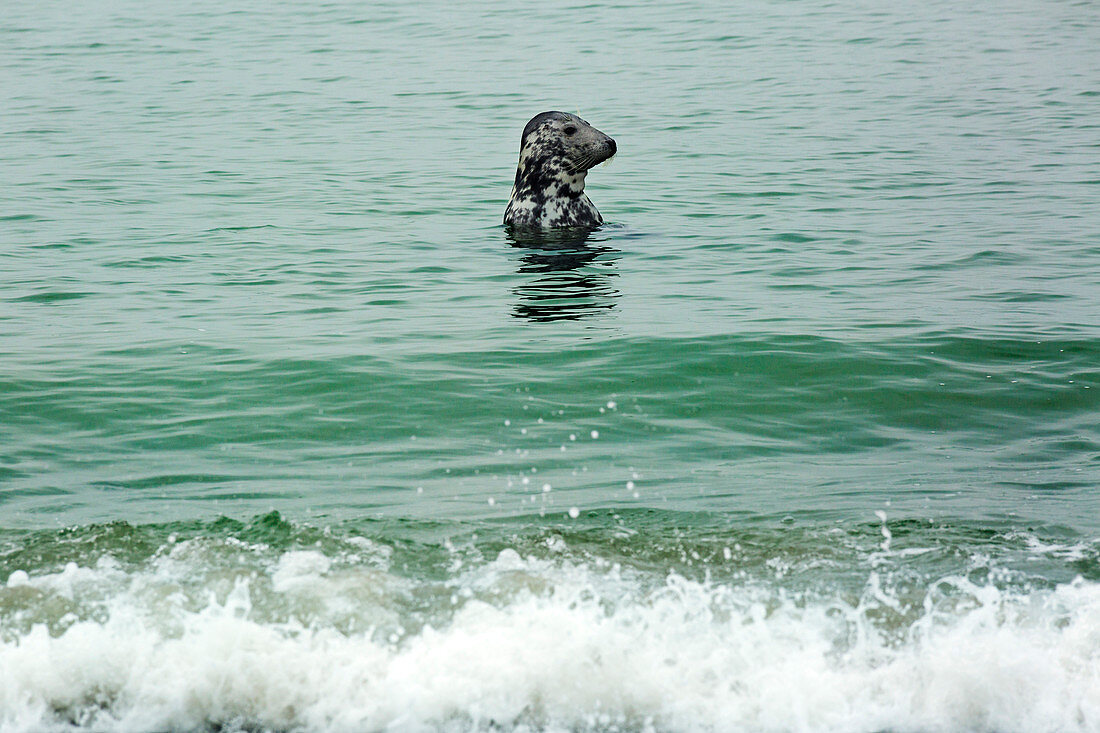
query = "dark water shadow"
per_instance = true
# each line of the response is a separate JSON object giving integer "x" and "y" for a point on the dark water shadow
{"x": 568, "y": 274}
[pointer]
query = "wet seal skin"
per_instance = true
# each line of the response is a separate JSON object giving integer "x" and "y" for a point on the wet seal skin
{"x": 556, "y": 151}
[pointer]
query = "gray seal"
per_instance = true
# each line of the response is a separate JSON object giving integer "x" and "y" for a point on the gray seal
{"x": 555, "y": 153}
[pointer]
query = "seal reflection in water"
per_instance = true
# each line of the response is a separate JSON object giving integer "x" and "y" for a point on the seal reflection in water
{"x": 556, "y": 151}
{"x": 566, "y": 274}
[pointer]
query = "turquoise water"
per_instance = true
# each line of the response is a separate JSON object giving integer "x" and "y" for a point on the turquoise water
{"x": 295, "y": 437}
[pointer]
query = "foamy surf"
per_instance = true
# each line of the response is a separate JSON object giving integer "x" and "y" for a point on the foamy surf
{"x": 545, "y": 635}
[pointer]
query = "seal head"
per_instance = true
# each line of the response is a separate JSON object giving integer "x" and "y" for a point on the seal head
{"x": 556, "y": 151}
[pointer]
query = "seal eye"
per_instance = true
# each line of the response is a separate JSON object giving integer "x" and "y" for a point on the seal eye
{"x": 569, "y": 130}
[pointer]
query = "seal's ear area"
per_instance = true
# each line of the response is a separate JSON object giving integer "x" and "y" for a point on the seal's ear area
{"x": 539, "y": 120}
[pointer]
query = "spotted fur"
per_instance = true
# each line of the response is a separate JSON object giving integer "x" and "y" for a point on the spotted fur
{"x": 556, "y": 151}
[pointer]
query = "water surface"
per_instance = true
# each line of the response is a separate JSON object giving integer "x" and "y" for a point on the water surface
{"x": 294, "y": 436}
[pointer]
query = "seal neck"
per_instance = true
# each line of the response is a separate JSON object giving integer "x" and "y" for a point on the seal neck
{"x": 534, "y": 174}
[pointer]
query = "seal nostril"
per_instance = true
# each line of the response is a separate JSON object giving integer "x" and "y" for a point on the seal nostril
{"x": 614, "y": 147}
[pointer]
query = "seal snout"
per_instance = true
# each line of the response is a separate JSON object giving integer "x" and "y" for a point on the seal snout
{"x": 600, "y": 152}
{"x": 604, "y": 152}
{"x": 610, "y": 147}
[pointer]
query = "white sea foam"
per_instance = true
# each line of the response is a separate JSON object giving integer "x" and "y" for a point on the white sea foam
{"x": 551, "y": 644}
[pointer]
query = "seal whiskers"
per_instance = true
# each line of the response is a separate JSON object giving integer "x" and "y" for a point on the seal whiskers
{"x": 583, "y": 165}
{"x": 556, "y": 151}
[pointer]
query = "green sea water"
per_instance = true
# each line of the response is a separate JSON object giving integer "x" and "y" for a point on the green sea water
{"x": 295, "y": 436}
